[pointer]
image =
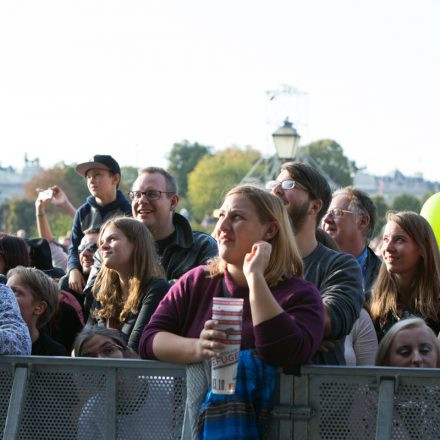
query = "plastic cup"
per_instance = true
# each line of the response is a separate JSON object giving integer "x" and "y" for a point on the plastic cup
{"x": 228, "y": 312}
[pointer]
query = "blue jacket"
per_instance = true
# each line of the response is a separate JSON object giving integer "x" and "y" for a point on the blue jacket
{"x": 91, "y": 215}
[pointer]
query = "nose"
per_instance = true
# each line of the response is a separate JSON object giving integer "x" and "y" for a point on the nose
{"x": 223, "y": 224}
{"x": 416, "y": 359}
{"x": 387, "y": 246}
{"x": 277, "y": 189}
{"x": 328, "y": 218}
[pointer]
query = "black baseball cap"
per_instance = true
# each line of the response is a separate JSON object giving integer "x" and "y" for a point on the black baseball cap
{"x": 100, "y": 161}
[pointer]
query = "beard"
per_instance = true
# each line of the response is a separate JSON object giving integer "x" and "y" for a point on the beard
{"x": 298, "y": 215}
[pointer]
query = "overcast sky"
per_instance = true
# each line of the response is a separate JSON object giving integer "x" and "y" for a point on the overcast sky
{"x": 130, "y": 78}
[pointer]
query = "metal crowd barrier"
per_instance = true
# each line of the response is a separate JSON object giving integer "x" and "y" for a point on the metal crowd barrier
{"x": 65, "y": 398}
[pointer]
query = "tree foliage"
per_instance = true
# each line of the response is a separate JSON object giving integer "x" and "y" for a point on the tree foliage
{"x": 329, "y": 156}
{"x": 214, "y": 175}
{"x": 183, "y": 158}
{"x": 406, "y": 202}
{"x": 65, "y": 177}
{"x": 381, "y": 211}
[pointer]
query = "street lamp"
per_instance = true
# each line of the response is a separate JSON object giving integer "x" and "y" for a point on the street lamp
{"x": 286, "y": 140}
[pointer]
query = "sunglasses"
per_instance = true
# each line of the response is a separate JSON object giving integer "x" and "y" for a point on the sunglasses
{"x": 91, "y": 247}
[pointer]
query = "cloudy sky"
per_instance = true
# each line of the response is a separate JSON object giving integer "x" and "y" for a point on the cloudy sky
{"x": 131, "y": 77}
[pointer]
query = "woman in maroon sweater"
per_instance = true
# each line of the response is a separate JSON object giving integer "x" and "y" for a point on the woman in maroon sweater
{"x": 258, "y": 261}
{"x": 282, "y": 325}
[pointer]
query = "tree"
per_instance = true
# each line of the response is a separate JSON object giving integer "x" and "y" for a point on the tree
{"x": 183, "y": 158}
{"x": 20, "y": 214}
{"x": 215, "y": 175}
{"x": 381, "y": 210}
{"x": 129, "y": 175}
{"x": 406, "y": 202}
{"x": 65, "y": 177}
{"x": 329, "y": 156}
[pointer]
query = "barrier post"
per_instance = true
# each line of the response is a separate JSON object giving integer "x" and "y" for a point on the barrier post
{"x": 16, "y": 402}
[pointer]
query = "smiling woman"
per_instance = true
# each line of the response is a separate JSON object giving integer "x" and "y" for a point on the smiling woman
{"x": 409, "y": 278}
{"x": 130, "y": 283}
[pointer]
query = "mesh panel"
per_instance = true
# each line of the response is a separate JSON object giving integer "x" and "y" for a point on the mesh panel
{"x": 53, "y": 403}
{"x": 150, "y": 405}
{"x": 417, "y": 412}
{"x": 5, "y": 387}
{"x": 347, "y": 410}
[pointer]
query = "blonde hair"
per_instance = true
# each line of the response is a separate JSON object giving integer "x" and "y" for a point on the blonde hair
{"x": 42, "y": 287}
{"x": 426, "y": 284}
{"x": 382, "y": 356}
{"x": 107, "y": 288}
{"x": 285, "y": 260}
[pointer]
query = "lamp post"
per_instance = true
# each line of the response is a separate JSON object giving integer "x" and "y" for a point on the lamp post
{"x": 286, "y": 140}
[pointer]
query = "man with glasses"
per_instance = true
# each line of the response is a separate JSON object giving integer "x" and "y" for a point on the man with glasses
{"x": 306, "y": 195}
{"x": 350, "y": 222}
{"x": 154, "y": 200}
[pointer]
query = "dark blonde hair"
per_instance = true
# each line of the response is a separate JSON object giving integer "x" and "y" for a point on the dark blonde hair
{"x": 42, "y": 287}
{"x": 107, "y": 288}
{"x": 285, "y": 260}
{"x": 382, "y": 357}
{"x": 426, "y": 284}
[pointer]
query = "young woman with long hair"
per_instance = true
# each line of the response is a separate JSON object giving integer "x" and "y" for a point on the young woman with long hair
{"x": 131, "y": 281}
{"x": 409, "y": 278}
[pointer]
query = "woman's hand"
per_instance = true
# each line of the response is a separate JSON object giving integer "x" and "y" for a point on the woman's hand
{"x": 209, "y": 341}
{"x": 256, "y": 261}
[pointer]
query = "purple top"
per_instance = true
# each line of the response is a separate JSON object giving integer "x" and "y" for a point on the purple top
{"x": 292, "y": 337}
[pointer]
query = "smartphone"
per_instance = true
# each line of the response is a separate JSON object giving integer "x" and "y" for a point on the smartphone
{"x": 46, "y": 194}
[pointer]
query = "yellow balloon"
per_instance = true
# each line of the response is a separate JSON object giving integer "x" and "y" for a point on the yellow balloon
{"x": 431, "y": 212}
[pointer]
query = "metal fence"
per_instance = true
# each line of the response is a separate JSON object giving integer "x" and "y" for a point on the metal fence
{"x": 64, "y": 398}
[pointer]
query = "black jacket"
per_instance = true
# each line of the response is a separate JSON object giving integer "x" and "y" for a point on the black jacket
{"x": 186, "y": 250}
{"x": 373, "y": 266}
{"x": 134, "y": 324}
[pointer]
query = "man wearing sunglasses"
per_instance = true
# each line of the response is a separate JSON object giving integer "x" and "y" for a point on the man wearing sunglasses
{"x": 307, "y": 195}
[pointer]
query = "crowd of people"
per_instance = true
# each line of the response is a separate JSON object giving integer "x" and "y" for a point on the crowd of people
{"x": 138, "y": 282}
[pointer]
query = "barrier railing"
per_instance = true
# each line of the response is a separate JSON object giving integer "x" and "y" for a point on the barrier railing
{"x": 54, "y": 398}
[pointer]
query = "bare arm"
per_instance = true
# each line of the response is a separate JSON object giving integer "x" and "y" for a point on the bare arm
{"x": 43, "y": 226}
{"x": 61, "y": 200}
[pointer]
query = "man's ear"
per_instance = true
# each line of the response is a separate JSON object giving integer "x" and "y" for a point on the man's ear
{"x": 315, "y": 206}
{"x": 272, "y": 230}
{"x": 363, "y": 220}
{"x": 174, "y": 199}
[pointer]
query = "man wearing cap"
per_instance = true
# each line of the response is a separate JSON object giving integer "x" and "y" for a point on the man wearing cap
{"x": 103, "y": 175}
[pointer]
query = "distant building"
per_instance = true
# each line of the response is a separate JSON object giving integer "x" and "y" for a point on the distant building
{"x": 394, "y": 184}
{"x": 12, "y": 182}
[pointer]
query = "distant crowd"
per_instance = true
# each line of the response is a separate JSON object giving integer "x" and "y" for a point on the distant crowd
{"x": 136, "y": 281}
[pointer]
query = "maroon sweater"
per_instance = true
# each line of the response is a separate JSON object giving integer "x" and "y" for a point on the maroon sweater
{"x": 292, "y": 337}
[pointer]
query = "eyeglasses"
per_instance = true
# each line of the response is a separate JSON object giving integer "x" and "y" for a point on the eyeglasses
{"x": 151, "y": 194}
{"x": 337, "y": 212}
{"x": 91, "y": 247}
{"x": 285, "y": 184}
{"x": 106, "y": 351}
